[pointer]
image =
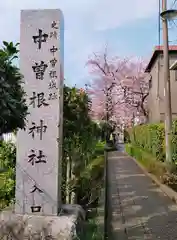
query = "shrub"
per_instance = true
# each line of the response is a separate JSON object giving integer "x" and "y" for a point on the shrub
{"x": 89, "y": 183}
{"x": 7, "y": 188}
{"x": 151, "y": 137}
{"x": 147, "y": 145}
{"x": 174, "y": 141}
{"x": 92, "y": 231}
{"x": 99, "y": 149}
{"x": 7, "y": 175}
{"x": 7, "y": 155}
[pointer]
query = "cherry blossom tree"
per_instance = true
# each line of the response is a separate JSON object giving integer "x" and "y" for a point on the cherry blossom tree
{"x": 136, "y": 89}
{"x": 105, "y": 85}
{"x": 119, "y": 88}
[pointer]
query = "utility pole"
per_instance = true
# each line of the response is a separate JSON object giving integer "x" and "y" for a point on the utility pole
{"x": 167, "y": 89}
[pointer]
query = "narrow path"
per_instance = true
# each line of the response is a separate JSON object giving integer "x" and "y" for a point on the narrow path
{"x": 137, "y": 207}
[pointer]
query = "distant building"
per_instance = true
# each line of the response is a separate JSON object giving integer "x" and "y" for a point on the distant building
{"x": 156, "y": 104}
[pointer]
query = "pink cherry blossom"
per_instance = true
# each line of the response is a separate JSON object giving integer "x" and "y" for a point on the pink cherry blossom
{"x": 121, "y": 85}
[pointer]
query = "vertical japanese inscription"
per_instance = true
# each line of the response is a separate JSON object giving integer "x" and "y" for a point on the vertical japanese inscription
{"x": 33, "y": 158}
{"x": 40, "y": 44}
{"x": 53, "y": 50}
{"x": 53, "y": 95}
{"x": 53, "y": 62}
{"x": 41, "y": 100}
{"x": 40, "y": 38}
{"x": 39, "y": 69}
{"x": 35, "y": 208}
{"x": 37, "y": 129}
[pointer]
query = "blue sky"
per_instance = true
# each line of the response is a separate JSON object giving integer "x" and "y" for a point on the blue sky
{"x": 128, "y": 28}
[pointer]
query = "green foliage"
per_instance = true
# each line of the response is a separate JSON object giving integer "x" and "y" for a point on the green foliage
{"x": 79, "y": 130}
{"x": 89, "y": 182}
{"x": 89, "y": 185}
{"x": 7, "y": 155}
{"x": 7, "y": 186}
{"x": 150, "y": 137}
{"x": 146, "y": 159}
{"x": 80, "y": 137}
{"x": 7, "y": 176}
{"x": 12, "y": 103}
{"x": 106, "y": 129}
{"x": 174, "y": 141}
{"x": 92, "y": 231}
{"x": 147, "y": 145}
{"x": 165, "y": 172}
{"x": 99, "y": 149}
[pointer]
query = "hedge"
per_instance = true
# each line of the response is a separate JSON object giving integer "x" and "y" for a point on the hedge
{"x": 7, "y": 173}
{"x": 151, "y": 138}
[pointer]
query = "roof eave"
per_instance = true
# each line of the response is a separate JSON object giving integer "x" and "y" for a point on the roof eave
{"x": 154, "y": 56}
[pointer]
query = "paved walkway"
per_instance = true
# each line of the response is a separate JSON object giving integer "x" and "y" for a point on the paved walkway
{"x": 137, "y": 208}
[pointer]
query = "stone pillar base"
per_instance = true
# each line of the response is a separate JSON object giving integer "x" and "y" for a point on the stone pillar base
{"x": 62, "y": 227}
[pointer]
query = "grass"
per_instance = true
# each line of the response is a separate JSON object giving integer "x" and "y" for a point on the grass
{"x": 91, "y": 230}
{"x": 99, "y": 149}
{"x": 153, "y": 166}
{"x": 165, "y": 173}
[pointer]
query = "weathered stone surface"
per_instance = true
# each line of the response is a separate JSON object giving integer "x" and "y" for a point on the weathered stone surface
{"x": 63, "y": 227}
{"x": 75, "y": 209}
{"x": 39, "y": 146}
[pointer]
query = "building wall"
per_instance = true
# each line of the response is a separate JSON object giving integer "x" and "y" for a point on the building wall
{"x": 156, "y": 103}
{"x": 153, "y": 100}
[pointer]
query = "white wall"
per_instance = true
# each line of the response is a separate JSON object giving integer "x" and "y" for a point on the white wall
{"x": 9, "y": 137}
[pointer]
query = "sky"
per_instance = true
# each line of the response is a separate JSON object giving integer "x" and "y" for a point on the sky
{"x": 127, "y": 28}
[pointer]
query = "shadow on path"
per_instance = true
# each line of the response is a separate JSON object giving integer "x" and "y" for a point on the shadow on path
{"x": 137, "y": 208}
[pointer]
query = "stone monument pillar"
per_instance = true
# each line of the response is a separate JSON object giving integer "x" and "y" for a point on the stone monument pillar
{"x": 39, "y": 145}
